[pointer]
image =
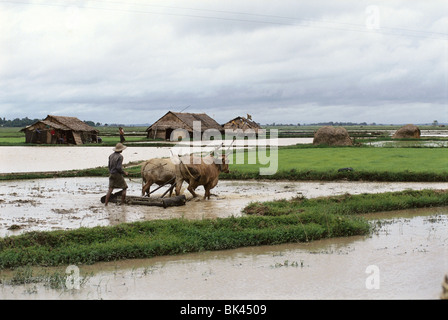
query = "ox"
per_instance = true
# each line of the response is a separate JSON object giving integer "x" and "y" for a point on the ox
{"x": 159, "y": 171}
{"x": 202, "y": 171}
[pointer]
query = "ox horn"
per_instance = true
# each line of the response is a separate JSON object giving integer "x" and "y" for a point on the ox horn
{"x": 217, "y": 148}
{"x": 227, "y": 151}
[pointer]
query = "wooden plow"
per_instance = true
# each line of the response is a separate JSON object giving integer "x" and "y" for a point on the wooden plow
{"x": 147, "y": 201}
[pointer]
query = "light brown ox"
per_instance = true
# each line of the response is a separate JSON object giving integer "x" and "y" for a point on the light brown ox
{"x": 159, "y": 171}
{"x": 205, "y": 173}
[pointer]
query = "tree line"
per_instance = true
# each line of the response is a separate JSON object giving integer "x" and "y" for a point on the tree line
{"x": 17, "y": 122}
{"x": 27, "y": 121}
{"x": 331, "y": 123}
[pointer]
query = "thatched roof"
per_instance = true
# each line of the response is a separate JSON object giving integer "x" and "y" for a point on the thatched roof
{"x": 185, "y": 121}
{"x": 71, "y": 123}
{"x": 241, "y": 123}
{"x": 64, "y": 123}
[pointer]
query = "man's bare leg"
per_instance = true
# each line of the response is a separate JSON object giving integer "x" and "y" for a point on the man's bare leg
{"x": 109, "y": 192}
{"x": 123, "y": 197}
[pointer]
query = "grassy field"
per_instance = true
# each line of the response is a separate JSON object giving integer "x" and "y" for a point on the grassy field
{"x": 14, "y": 137}
{"x": 369, "y": 159}
{"x": 11, "y": 136}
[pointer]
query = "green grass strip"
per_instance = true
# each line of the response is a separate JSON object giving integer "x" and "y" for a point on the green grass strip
{"x": 334, "y": 175}
{"x": 348, "y": 204}
{"x": 167, "y": 237}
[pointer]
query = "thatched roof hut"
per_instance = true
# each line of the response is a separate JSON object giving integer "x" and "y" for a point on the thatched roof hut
{"x": 171, "y": 121}
{"x": 243, "y": 124}
{"x": 60, "y": 130}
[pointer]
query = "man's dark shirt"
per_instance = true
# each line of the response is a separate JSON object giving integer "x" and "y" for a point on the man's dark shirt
{"x": 115, "y": 163}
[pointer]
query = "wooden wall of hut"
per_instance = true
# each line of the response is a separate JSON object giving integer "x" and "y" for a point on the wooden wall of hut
{"x": 39, "y": 137}
{"x": 166, "y": 133}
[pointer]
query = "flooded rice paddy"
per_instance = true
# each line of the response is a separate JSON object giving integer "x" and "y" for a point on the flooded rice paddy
{"x": 406, "y": 257}
{"x": 68, "y": 203}
{"x": 410, "y": 249}
{"x": 49, "y": 159}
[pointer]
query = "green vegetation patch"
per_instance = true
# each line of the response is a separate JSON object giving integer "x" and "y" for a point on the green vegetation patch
{"x": 348, "y": 204}
{"x": 167, "y": 237}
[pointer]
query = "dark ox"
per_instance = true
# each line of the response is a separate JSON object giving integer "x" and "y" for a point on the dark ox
{"x": 200, "y": 171}
{"x": 159, "y": 171}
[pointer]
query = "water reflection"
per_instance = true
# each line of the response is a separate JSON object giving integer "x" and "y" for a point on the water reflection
{"x": 408, "y": 144}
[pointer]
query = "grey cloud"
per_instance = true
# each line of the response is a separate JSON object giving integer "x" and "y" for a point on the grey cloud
{"x": 125, "y": 65}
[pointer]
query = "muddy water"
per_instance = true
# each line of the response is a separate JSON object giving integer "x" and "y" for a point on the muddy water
{"x": 20, "y": 159}
{"x": 408, "y": 251}
{"x": 68, "y": 203}
{"x": 401, "y": 144}
{"x": 44, "y": 159}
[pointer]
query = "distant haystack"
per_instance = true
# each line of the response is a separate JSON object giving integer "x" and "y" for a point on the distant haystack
{"x": 407, "y": 131}
{"x": 60, "y": 130}
{"x": 332, "y": 136}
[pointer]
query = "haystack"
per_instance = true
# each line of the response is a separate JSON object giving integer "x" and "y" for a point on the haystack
{"x": 332, "y": 136}
{"x": 407, "y": 131}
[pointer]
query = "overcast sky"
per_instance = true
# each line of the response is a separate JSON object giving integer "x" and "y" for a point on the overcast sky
{"x": 283, "y": 61}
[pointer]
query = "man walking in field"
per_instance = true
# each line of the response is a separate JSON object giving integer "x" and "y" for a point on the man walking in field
{"x": 121, "y": 131}
{"x": 116, "y": 179}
